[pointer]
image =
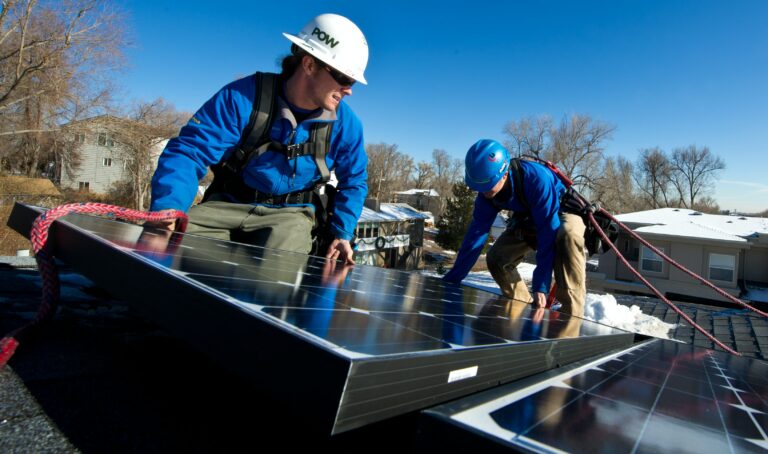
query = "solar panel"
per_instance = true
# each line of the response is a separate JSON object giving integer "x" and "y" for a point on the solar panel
{"x": 659, "y": 396}
{"x": 353, "y": 344}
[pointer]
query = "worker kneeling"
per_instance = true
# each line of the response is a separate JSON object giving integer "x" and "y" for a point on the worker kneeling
{"x": 534, "y": 193}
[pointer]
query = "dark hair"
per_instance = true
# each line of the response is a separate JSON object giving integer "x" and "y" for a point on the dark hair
{"x": 292, "y": 61}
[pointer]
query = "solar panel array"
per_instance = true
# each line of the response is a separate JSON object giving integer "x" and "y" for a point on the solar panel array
{"x": 658, "y": 396}
{"x": 400, "y": 341}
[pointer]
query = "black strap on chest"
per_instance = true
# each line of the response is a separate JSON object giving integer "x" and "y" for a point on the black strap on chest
{"x": 517, "y": 182}
{"x": 256, "y": 140}
{"x": 516, "y": 174}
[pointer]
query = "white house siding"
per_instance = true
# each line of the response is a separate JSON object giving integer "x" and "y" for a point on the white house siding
{"x": 92, "y": 169}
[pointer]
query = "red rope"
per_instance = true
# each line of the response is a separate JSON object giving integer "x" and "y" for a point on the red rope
{"x": 47, "y": 265}
{"x": 648, "y": 284}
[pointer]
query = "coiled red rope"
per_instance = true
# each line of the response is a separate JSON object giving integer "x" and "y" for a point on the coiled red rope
{"x": 47, "y": 265}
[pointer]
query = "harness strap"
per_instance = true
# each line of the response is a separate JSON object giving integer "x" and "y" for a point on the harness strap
{"x": 256, "y": 141}
{"x": 257, "y": 130}
{"x": 517, "y": 182}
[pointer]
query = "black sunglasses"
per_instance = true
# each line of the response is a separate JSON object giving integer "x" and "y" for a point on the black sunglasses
{"x": 341, "y": 79}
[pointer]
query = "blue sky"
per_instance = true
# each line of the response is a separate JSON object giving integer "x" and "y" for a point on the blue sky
{"x": 444, "y": 74}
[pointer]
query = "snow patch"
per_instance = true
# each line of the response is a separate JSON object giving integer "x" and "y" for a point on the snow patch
{"x": 604, "y": 309}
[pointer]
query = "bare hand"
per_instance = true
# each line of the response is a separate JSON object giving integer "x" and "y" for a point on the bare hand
{"x": 539, "y": 300}
{"x": 335, "y": 276}
{"x": 340, "y": 250}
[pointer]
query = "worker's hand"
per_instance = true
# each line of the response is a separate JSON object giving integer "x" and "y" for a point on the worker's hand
{"x": 333, "y": 274}
{"x": 167, "y": 224}
{"x": 539, "y": 300}
{"x": 340, "y": 250}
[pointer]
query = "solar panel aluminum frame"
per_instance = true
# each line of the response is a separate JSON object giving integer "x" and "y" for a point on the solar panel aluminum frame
{"x": 338, "y": 393}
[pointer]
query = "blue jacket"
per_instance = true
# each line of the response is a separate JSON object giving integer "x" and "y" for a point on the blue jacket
{"x": 543, "y": 190}
{"x": 216, "y": 128}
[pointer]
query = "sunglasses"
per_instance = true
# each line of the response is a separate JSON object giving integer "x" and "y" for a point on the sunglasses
{"x": 341, "y": 79}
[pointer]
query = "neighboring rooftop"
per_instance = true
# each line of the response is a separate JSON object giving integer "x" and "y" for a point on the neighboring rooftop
{"x": 687, "y": 223}
{"x": 392, "y": 212}
{"x": 424, "y": 192}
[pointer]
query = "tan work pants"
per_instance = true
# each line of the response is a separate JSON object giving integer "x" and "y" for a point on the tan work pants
{"x": 569, "y": 265}
{"x": 286, "y": 228}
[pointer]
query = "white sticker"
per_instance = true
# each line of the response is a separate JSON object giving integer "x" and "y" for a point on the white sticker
{"x": 461, "y": 374}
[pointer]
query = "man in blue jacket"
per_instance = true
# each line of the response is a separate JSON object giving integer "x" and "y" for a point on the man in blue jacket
{"x": 263, "y": 191}
{"x": 557, "y": 237}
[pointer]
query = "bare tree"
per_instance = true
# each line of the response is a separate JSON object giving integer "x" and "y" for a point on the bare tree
{"x": 615, "y": 188}
{"x": 706, "y": 204}
{"x": 447, "y": 172}
{"x": 55, "y": 57}
{"x": 424, "y": 175}
{"x": 141, "y": 139}
{"x": 653, "y": 176}
{"x": 576, "y": 146}
{"x": 530, "y": 135}
{"x": 388, "y": 170}
{"x": 694, "y": 170}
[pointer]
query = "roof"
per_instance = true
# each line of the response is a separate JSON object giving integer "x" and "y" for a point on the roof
{"x": 681, "y": 222}
{"x": 426, "y": 192}
{"x": 391, "y": 212}
{"x": 16, "y": 185}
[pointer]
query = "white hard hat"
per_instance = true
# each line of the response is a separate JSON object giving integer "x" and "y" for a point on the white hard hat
{"x": 336, "y": 41}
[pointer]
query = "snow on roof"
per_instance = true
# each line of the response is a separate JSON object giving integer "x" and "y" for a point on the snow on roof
{"x": 501, "y": 221}
{"x": 683, "y": 222}
{"x": 427, "y": 192}
{"x": 391, "y": 212}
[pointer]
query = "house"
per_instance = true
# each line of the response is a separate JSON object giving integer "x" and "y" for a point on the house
{"x": 421, "y": 199}
{"x": 390, "y": 235}
{"x": 100, "y": 157}
{"x": 729, "y": 251}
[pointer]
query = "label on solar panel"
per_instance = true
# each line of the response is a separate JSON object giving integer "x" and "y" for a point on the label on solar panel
{"x": 461, "y": 374}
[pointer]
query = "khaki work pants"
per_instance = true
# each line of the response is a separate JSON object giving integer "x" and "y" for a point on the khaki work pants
{"x": 569, "y": 265}
{"x": 285, "y": 228}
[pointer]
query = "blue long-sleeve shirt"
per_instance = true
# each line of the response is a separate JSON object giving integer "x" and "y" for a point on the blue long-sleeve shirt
{"x": 216, "y": 128}
{"x": 542, "y": 190}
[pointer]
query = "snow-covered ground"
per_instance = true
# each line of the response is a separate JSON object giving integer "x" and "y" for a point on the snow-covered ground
{"x": 600, "y": 308}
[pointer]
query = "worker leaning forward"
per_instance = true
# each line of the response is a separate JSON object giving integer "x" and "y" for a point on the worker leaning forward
{"x": 272, "y": 141}
{"x": 534, "y": 193}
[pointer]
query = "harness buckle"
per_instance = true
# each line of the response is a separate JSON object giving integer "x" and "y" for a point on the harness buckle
{"x": 292, "y": 151}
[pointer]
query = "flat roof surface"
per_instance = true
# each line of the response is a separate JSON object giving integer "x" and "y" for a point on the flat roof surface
{"x": 683, "y": 222}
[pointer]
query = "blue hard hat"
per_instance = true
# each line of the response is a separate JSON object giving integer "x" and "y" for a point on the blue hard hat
{"x": 486, "y": 162}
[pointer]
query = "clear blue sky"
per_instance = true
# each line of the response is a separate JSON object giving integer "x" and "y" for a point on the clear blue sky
{"x": 443, "y": 74}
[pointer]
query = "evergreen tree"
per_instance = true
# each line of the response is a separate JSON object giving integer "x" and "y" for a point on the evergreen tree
{"x": 456, "y": 218}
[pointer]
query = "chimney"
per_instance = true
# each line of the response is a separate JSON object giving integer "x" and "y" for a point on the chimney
{"x": 372, "y": 204}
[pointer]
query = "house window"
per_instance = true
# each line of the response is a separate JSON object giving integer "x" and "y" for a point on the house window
{"x": 651, "y": 262}
{"x": 105, "y": 140}
{"x": 79, "y": 137}
{"x": 83, "y": 186}
{"x": 722, "y": 267}
{"x": 106, "y": 162}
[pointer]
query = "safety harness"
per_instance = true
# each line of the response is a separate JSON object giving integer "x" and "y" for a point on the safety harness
{"x": 570, "y": 202}
{"x": 256, "y": 140}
